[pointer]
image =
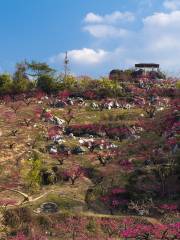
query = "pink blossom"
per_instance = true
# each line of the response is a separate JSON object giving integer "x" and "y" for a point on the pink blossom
{"x": 5, "y": 202}
{"x": 118, "y": 190}
{"x": 169, "y": 207}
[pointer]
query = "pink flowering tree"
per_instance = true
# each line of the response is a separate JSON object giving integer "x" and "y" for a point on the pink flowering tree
{"x": 148, "y": 232}
{"x": 68, "y": 116}
{"x": 74, "y": 173}
{"x": 115, "y": 199}
{"x": 110, "y": 226}
{"x": 61, "y": 157}
{"x": 72, "y": 227}
{"x": 104, "y": 158}
{"x": 63, "y": 95}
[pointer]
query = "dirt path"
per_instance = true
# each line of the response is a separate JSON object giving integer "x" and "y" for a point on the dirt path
{"x": 153, "y": 221}
{"x": 61, "y": 192}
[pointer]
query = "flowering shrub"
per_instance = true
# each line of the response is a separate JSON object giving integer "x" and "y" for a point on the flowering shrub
{"x": 6, "y": 202}
{"x": 47, "y": 115}
{"x": 63, "y": 95}
{"x": 90, "y": 95}
{"x": 119, "y": 132}
{"x": 53, "y": 131}
{"x": 81, "y": 129}
{"x": 76, "y": 227}
{"x": 20, "y": 236}
{"x": 38, "y": 113}
{"x": 97, "y": 129}
{"x": 39, "y": 95}
{"x": 74, "y": 173}
{"x": 126, "y": 165}
{"x": 60, "y": 157}
{"x": 110, "y": 226}
{"x": 169, "y": 207}
{"x": 157, "y": 231}
{"x": 118, "y": 191}
{"x": 115, "y": 199}
{"x": 73, "y": 227}
{"x": 104, "y": 158}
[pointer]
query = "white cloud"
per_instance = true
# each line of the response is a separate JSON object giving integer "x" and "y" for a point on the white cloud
{"x": 156, "y": 41}
{"x": 172, "y": 4}
{"x": 109, "y": 25}
{"x": 84, "y": 56}
{"x": 93, "y": 18}
{"x": 166, "y": 43}
{"x": 170, "y": 20}
{"x": 104, "y": 31}
{"x": 160, "y": 39}
{"x": 112, "y": 18}
{"x": 90, "y": 61}
{"x": 163, "y": 31}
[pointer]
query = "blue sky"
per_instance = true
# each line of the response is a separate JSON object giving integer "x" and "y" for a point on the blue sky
{"x": 98, "y": 34}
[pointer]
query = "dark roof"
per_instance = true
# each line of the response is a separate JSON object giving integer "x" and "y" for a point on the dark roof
{"x": 147, "y": 65}
{"x": 115, "y": 71}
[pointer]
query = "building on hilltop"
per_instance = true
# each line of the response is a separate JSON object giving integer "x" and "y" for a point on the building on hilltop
{"x": 141, "y": 70}
{"x": 148, "y": 70}
{"x": 146, "y": 67}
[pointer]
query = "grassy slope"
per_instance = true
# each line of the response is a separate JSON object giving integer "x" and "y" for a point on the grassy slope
{"x": 69, "y": 198}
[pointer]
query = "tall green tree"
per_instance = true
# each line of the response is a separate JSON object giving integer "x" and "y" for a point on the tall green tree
{"x": 32, "y": 177}
{"x": 43, "y": 76}
{"x": 5, "y": 83}
{"x": 38, "y": 69}
{"x": 21, "y": 81}
{"x": 47, "y": 84}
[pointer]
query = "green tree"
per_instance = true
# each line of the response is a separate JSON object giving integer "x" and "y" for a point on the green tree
{"x": 32, "y": 177}
{"x": 21, "y": 81}
{"x": 47, "y": 83}
{"x": 38, "y": 69}
{"x": 70, "y": 82}
{"x": 178, "y": 84}
{"x": 5, "y": 83}
{"x": 111, "y": 88}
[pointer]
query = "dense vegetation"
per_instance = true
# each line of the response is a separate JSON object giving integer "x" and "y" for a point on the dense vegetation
{"x": 88, "y": 159}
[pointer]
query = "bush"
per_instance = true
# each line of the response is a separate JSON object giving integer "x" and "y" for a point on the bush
{"x": 5, "y": 84}
{"x": 47, "y": 84}
{"x": 14, "y": 218}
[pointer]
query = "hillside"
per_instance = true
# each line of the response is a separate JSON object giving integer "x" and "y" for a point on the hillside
{"x": 97, "y": 159}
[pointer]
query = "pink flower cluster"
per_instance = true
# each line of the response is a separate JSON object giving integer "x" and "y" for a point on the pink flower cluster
{"x": 158, "y": 231}
{"x": 21, "y": 236}
{"x": 6, "y": 202}
{"x": 168, "y": 207}
{"x": 63, "y": 95}
{"x": 53, "y": 131}
{"x": 118, "y": 190}
{"x": 115, "y": 198}
{"x": 90, "y": 95}
{"x": 126, "y": 165}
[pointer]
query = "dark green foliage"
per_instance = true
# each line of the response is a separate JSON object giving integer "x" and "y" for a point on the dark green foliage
{"x": 33, "y": 176}
{"x": 44, "y": 221}
{"x": 47, "y": 84}
{"x": 21, "y": 82}
{"x": 5, "y": 83}
{"x": 37, "y": 69}
{"x": 16, "y": 217}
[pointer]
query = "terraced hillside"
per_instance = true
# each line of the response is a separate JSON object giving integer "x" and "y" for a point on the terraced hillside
{"x": 90, "y": 167}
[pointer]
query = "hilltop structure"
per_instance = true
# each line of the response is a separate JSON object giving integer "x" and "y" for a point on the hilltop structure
{"x": 146, "y": 67}
{"x": 141, "y": 70}
{"x": 119, "y": 75}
